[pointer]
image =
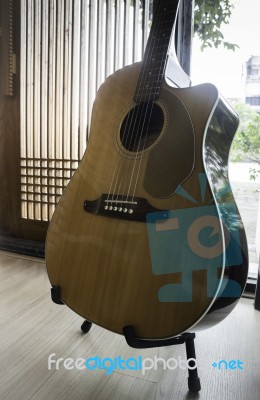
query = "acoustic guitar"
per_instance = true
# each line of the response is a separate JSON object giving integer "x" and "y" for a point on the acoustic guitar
{"x": 147, "y": 233}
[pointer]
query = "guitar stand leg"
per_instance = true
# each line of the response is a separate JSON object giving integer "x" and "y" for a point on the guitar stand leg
{"x": 193, "y": 379}
{"x": 85, "y": 327}
{"x": 56, "y": 298}
{"x": 187, "y": 338}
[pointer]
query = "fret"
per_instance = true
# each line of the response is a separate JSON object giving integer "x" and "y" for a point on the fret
{"x": 154, "y": 68}
{"x": 148, "y": 82}
{"x": 157, "y": 39}
{"x": 149, "y": 85}
{"x": 160, "y": 51}
{"x": 153, "y": 71}
{"x": 155, "y": 57}
{"x": 156, "y": 48}
{"x": 149, "y": 92}
{"x": 148, "y": 97}
{"x": 155, "y": 77}
{"x": 165, "y": 30}
{"x": 155, "y": 62}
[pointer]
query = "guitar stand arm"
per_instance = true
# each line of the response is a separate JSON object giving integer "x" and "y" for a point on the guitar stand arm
{"x": 137, "y": 343}
{"x": 187, "y": 338}
{"x": 56, "y": 298}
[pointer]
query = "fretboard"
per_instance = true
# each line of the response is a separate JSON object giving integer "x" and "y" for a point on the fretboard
{"x": 155, "y": 56}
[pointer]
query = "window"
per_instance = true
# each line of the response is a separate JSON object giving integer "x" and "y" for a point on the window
{"x": 253, "y": 101}
{"x": 68, "y": 48}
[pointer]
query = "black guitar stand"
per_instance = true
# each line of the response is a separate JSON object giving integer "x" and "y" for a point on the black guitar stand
{"x": 187, "y": 338}
{"x": 137, "y": 343}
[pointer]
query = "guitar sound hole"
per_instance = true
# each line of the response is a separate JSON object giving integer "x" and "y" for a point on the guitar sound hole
{"x": 142, "y": 126}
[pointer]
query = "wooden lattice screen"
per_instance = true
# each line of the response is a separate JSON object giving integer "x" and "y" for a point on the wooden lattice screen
{"x": 68, "y": 48}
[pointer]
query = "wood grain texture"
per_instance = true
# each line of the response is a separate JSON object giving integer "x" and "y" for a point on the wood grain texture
{"x": 103, "y": 265}
{"x": 9, "y": 127}
{"x": 32, "y": 327}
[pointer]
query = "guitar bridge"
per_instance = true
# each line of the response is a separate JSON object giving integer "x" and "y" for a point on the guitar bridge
{"x": 118, "y": 206}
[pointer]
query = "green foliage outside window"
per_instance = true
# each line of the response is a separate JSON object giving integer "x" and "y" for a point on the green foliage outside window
{"x": 246, "y": 145}
{"x": 209, "y": 17}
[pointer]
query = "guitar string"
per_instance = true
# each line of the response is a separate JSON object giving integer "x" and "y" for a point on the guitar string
{"x": 135, "y": 114}
{"x": 134, "y": 121}
{"x": 151, "y": 100}
{"x": 141, "y": 149}
{"x": 129, "y": 127}
{"x": 119, "y": 159}
{"x": 125, "y": 135}
{"x": 162, "y": 71}
{"x": 144, "y": 107}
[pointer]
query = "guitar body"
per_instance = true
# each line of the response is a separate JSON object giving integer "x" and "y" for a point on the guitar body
{"x": 121, "y": 263}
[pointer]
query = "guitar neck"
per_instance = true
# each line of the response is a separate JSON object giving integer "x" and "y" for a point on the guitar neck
{"x": 155, "y": 56}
